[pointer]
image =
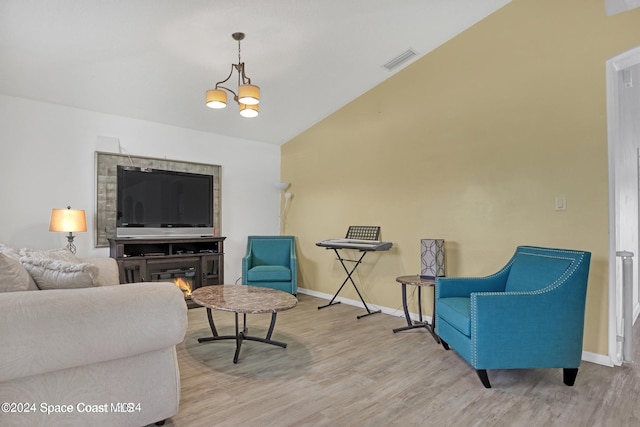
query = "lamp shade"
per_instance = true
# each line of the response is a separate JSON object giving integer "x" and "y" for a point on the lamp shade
{"x": 68, "y": 220}
{"x": 249, "y": 111}
{"x": 432, "y": 252}
{"x": 216, "y": 98}
{"x": 248, "y": 94}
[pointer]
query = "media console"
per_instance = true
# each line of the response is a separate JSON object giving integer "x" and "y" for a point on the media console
{"x": 200, "y": 260}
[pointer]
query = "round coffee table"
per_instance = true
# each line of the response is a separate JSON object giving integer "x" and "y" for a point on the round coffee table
{"x": 246, "y": 300}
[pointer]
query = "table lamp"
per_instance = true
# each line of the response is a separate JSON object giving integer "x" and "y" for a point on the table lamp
{"x": 68, "y": 220}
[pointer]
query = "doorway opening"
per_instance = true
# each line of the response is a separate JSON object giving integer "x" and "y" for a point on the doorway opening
{"x": 623, "y": 123}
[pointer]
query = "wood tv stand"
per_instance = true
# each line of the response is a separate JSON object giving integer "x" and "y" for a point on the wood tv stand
{"x": 147, "y": 259}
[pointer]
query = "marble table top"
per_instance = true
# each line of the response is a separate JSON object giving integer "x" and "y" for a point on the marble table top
{"x": 243, "y": 299}
{"x": 415, "y": 280}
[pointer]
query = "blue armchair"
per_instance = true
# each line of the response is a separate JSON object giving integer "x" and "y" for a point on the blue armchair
{"x": 271, "y": 262}
{"x": 530, "y": 314}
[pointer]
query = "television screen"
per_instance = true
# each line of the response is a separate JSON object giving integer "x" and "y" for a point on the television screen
{"x": 160, "y": 199}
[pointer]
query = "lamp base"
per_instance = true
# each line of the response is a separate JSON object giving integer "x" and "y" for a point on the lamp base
{"x": 70, "y": 245}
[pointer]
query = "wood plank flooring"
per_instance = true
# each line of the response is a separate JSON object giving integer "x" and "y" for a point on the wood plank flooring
{"x": 341, "y": 371}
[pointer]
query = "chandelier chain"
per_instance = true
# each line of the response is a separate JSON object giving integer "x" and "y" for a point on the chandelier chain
{"x": 240, "y": 67}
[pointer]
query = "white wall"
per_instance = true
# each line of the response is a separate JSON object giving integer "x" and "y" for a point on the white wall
{"x": 47, "y": 160}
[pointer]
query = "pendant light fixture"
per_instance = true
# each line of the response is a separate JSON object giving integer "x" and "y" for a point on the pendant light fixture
{"x": 247, "y": 95}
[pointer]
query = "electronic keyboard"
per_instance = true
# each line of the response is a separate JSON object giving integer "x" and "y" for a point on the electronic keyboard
{"x": 359, "y": 244}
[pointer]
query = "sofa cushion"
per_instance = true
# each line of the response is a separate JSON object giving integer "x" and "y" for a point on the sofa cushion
{"x": 531, "y": 272}
{"x": 13, "y": 276}
{"x": 61, "y": 254}
{"x": 56, "y": 274}
{"x": 269, "y": 273}
{"x": 9, "y": 251}
{"x": 457, "y": 312}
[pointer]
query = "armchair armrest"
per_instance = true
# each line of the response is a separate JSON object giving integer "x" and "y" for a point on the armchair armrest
{"x": 247, "y": 262}
{"x": 46, "y": 331}
{"x": 293, "y": 266}
{"x": 447, "y": 287}
{"x": 521, "y": 329}
{"x": 108, "y": 274}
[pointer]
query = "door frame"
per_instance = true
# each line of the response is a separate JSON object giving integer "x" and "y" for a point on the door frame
{"x": 614, "y": 75}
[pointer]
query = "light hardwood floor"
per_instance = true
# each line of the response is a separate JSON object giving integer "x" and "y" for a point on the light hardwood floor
{"x": 341, "y": 371}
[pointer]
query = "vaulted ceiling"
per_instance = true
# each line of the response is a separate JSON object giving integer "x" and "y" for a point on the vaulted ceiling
{"x": 154, "y": 59}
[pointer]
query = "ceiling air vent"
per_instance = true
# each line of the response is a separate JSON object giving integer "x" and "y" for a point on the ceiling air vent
{"x": 400, "y": 59}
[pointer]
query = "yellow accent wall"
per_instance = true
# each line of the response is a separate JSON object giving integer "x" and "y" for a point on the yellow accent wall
{"x": 472, "y": 143}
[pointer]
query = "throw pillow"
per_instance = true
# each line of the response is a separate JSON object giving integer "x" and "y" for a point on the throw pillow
{"x": 56, "y": 274}
{"x": 13, "y": 276}
{"x": 62, "y": 254}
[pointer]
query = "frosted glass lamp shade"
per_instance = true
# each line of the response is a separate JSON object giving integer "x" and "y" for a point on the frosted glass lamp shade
{"x": 216, "y": 98}
{"x": 248, "y": 94}
{"x": 68, "y": 220}
{"x": 249, "y": 111}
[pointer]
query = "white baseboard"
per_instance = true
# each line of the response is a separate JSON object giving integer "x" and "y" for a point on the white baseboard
{"x": 587, "y": 356}
{"x": 600, "y": 359}
{"x": 356, "y": 303}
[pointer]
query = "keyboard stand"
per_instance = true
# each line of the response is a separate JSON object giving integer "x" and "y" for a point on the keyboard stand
{"x": 349, "y": 278}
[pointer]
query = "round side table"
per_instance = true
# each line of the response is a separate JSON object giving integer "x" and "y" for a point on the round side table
{"x": 416, "y": 280}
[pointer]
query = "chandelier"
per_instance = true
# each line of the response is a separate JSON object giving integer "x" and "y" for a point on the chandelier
{"x": 247, "y": 95}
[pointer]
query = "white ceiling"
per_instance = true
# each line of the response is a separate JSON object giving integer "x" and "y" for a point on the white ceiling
{"x": 154, "y": 59}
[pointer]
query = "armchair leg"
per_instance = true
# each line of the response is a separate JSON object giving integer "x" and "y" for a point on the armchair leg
{"x": 569, "y": 376}
{"x": 482, "y": 374}
{"x": 444, "y": 344}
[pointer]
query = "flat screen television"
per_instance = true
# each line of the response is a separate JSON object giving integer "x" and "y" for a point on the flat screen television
{"x": 161, "y": 203}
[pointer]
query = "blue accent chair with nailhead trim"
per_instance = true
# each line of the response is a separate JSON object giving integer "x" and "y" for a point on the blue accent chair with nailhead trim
{"x": 270, "y": 262}
{"x": 530, "y": 314}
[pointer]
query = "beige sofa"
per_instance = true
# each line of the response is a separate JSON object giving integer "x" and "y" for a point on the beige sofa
{"x": 102, "y": 355}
